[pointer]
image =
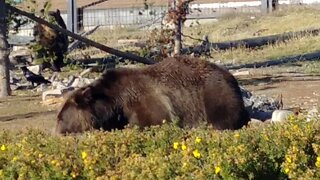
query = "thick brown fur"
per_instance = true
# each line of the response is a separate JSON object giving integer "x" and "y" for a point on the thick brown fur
{"x": 189, "y": 89}
{"x": 54, "y": 42}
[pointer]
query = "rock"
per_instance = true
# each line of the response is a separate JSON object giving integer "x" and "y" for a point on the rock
{"x": 54, "y": 77}
{"x": 70, "y": 80}
{"x": 75, "y": 83}
{"x": 55, "y": 93}
{"x": 252, "y": 120}
{"x": 313, "y": 114}
{"x": 246, "y": 94}
{"x": 78, "y": 82}
{"x": 14, "y": 87}
{"x": 88, "y": 81}
{"x": 241, "y": 73}
{"x": 85, "y": 72}
{"x": 20, "y": 55}
{"x": 35, "y": 69}
{"x": 259, "y": 107}
{"x": 65, "y": 80}
{"x": 281, "y": 115}
{"x": 261, "y": 115}
{"x": 13, "y": 78}
{"x": 58, "y": 85}
{"x": 53, "y": 101}
{"x": 42, "y": 87}
{"x": 268, "y": 121}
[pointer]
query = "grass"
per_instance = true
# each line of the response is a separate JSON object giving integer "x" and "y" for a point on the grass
{"x": 230, "y": 27}
{"x": 233, "y": 27}
{"x": 237, "y": 26}
{"x": 292, "y": 47}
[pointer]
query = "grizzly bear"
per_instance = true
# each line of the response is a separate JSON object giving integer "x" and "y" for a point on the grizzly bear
{"x": 54, "y": 43}
{"x": 189, "y": 89}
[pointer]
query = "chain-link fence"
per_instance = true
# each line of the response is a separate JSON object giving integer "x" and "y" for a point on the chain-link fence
{"x": 138, "y": 17}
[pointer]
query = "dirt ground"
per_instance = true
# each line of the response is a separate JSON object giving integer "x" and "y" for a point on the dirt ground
{"x": 24, "y": 110}
{"x": 298, "y": 90}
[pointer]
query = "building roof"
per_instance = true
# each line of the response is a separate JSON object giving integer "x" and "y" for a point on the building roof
{"x": 62, "y": 4}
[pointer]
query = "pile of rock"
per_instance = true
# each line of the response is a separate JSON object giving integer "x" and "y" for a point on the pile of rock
{"x": 59, "y": 88}
{"x": 266, "y": 109}
{"x": 260, "y": 107}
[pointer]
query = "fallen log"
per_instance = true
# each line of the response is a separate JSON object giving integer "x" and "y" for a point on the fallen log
{"x": 290, "y": 59}
{"x": 82, "y": 39}
{"x": 250, "y": 42}
{"x": 76, "y": 43}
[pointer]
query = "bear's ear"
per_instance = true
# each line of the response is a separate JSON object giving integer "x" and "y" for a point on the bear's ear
{"x": 84, "y": 97}
{"x": 58, "y": 12}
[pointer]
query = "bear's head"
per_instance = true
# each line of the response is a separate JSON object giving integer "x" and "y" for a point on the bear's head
{"x": 57, "y": 17}
{"x": 89, "y": 108}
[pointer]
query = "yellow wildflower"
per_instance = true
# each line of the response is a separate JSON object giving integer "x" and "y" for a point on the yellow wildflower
{"x": 175, "y": 145}
{"x": 183, "y": 147}
{"x": 286, "y": 170}
{"x": 40, "y": 155}
{"x": 84, "y": 155}
{"x": 73, "y": 174}
{"x": 198, "y": 140}
{"x": 318, "y": 162}
{"x": 14, "y": 158}
{"x": 196, "y": 154}
{"x": 217, "y": 170}
{"x": 3, "y": 147}
{"x": 114, "y": 178}
{"x": 53, "y": 162}
{"x": 288, "y": 160}
{"x": 237, "y": 135}
{"x": 184, "y": 165}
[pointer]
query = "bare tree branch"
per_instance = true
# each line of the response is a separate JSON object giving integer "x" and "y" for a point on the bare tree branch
{"x": 80, "y": 38}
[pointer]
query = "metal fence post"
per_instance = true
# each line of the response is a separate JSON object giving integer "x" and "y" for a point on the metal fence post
{"x": 264, "y": 6}
{"x": 72, "y": 16}
{"x": 270, "y": 8}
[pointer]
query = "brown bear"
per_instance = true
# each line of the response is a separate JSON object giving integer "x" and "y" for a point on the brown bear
{"x": 53, "y": 42}
{"x": 189, "y": 89}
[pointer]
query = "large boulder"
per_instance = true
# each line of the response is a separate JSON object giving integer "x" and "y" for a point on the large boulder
{"x": 281, "y": 115}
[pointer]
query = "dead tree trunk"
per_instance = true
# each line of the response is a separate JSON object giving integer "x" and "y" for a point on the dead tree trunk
{"x": 178, "y": 26}
{"x": 177, "y": 39}
{"x": 4, "y": 53}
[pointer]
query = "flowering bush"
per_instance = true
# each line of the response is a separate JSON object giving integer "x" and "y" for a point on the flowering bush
{"x": 276, "y": 151}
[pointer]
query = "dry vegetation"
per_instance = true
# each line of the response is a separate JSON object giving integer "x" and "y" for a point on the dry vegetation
{"x": 231, "y": 27}
{"x": 289, "y": 150}
{"x": 235, "y": 27}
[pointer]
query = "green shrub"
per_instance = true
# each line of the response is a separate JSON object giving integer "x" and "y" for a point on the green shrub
{"x": 280, "y": 151}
